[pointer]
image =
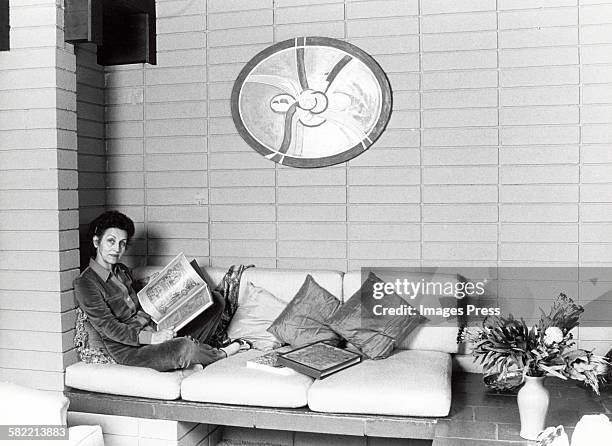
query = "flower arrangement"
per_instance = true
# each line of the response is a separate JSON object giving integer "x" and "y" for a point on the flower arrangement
{"x": 506, "y": 343}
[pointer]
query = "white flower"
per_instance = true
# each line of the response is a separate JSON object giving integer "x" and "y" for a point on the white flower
{"x": 552, "y": 335}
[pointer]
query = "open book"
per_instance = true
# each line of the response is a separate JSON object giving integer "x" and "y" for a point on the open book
{"x": 176, "y": 295}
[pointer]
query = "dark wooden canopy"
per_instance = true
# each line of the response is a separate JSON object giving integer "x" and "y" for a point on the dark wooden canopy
{"x": 124, "y": 30}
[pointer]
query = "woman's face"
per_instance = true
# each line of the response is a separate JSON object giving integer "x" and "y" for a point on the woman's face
{"x": 110, "y": 247}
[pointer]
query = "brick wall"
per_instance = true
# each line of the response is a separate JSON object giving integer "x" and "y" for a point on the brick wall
{"x": 90, "y": 139}
{"x": 38, "y": 198}
{"x": 129, "y": 431}
{"x": 497, "y": 152}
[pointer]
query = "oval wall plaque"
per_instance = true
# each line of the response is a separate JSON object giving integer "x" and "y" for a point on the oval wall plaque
{"x": 311, "y": 102}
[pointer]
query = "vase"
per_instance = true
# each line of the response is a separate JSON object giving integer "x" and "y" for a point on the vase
{"x": 533, "y": 399}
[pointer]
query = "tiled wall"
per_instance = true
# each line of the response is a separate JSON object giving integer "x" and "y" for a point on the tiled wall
{"x": 497, "y": 152}
{"x": 38, "y": 198}
{"x": 129, "y": 431}
{"x": 90, "y": 138}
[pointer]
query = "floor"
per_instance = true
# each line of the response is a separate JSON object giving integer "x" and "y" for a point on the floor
{"x": 263, "y": 437}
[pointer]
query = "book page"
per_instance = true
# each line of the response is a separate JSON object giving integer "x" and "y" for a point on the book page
{"x": 170, "y": 289}
{"x": 186, "y": 310}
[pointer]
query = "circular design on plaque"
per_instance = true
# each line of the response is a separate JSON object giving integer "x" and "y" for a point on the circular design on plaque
{"x": 311, "y": 102}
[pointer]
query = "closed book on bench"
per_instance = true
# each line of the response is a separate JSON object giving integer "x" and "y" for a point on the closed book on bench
{"x": 318, "y": 360}
{"x": 269, "y": 363}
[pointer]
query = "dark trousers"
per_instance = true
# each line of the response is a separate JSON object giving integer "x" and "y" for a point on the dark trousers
{"x": 179, "y": 352}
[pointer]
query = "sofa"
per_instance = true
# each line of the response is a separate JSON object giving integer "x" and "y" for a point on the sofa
{"x": 415, "y": 381}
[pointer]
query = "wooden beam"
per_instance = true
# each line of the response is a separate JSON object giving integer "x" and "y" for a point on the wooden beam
{"x": 83, "y": 21}
{"x": 129, "y": 33}
{"x": 4, "y": 25}
{"x": 124, "y": 30}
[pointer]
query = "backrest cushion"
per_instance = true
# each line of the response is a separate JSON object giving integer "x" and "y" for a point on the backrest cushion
{"x": 428, "y": 335}
{"x": 285, "y": 283}
{"x": 256, "y": 311}
{"x": 88, "y": 342}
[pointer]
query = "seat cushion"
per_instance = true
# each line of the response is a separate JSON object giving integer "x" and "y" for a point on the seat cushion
{"x": 229, "y": 381}
{"x": 127, "y": 380}
{"x": 407, "y": 383}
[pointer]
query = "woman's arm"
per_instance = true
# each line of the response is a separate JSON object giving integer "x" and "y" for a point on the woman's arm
{"x": 91, "y": 301}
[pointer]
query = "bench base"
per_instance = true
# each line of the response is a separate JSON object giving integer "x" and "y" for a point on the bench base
{"x": 302, "y": 419}
{"x": 476, "y": 417}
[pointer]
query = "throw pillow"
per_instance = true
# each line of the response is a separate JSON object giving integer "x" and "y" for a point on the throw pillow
{"x": 88, "y": 342}
{"x": 304, "y": 319}
{"x": 374, "y": 335}
{"x": 255, "y": 313}
{"x": 229, "y": 288}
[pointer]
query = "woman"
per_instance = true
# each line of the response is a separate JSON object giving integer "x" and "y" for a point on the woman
{"x": 104, "y": 292}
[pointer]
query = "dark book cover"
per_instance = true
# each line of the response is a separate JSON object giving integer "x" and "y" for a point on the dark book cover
{"x": 318, "y": 360}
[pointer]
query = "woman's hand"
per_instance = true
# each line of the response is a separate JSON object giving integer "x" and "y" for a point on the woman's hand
{"x": 157, "y": 337}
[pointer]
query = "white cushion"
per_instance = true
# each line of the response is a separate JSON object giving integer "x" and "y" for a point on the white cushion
{"x": 408, "y": 383}
{"x": 441, "y": 339}
{"x": 23, "y": 405}
{"x": 466, "y": 364}
{"x": 127, "y": 380}
{"x": 256, "y": 311}
{"x": 230, "y": 381}
{"x": 424, "y": 337}
{"x": 285, "y": 283}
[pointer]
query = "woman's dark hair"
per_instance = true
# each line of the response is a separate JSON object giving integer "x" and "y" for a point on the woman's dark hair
{"x": 110, "y": 219}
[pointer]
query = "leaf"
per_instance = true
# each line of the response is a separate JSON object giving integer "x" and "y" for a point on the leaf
{"x": 553, "y": 371}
